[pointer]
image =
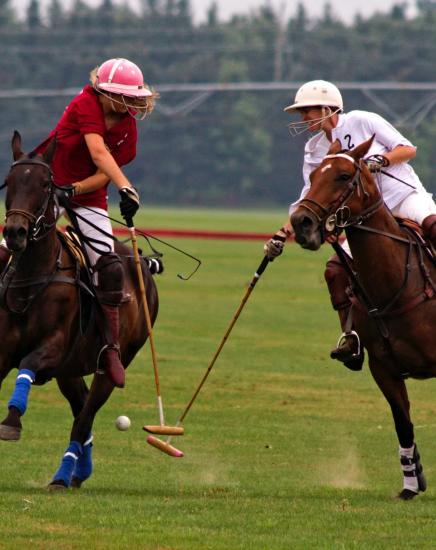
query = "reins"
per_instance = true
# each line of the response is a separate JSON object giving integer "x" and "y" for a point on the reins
{"x": 38, "y": 228}
{"x": 389, "y": 309}
{"x": 338, "y": 214}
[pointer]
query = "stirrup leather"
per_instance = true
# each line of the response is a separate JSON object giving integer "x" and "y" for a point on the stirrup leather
{"x": 343, "y": 337}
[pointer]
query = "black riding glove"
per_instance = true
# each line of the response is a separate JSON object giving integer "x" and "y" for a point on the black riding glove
{"x": 129, "y": 203}
{"x": 64, "y": 194}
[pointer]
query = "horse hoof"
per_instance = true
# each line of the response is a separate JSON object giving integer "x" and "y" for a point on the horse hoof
{"x": 407, "y": 494}
{"x": 9, "y": 433}
{"x": 56, "y": 485}
{"x": 76, "y": 483}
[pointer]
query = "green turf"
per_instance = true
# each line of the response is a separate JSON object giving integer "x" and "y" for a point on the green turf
{"x": 285, "y": 449}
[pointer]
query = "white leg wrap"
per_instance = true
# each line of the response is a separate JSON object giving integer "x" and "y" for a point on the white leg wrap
{"x": 408, "y": 465}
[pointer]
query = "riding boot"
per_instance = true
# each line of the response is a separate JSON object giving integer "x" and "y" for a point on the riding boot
{"x": 429, "y": 229}
{"x": 5, "y": 254}
{"x": 110, "y": 293}
{"x": 348, "y": 349}
{"x": 110, "y": 358}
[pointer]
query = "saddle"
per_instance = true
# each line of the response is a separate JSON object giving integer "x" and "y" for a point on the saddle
{"x": 418, "y": 233}
{"x": 72, "y": 245}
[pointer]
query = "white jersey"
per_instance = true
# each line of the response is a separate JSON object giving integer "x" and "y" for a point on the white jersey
{"x": 354, "y": 128}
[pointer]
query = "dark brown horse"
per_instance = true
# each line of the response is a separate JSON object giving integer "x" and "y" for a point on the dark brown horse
{"x": 394, "y": 310}
{"x": 48, "y": 323}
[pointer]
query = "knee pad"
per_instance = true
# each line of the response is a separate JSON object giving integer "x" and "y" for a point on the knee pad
{"x": 110, "y": 272}
{"x": 337, "y": 281}
{"x": 429, "y": 227}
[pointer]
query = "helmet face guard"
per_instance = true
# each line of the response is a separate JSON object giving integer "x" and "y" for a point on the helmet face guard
{"x": 315, "y": 94}
{"x": 300, "y": 126}
{"x": 137, "y": 108}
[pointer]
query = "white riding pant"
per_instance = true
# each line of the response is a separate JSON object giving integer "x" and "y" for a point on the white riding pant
{"x": 415, "y": 207}
{"x": 101, "y": 242}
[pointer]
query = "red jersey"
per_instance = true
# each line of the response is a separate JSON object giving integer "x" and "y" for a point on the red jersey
{"x": 72, "y": 161}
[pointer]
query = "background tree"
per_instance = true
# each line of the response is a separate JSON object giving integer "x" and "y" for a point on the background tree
{"x": 224, "y": 148}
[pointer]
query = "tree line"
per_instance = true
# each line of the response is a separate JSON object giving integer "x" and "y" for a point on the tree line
{"x": 233, "y": 149}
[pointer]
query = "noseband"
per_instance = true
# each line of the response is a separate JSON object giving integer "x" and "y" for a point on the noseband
{"x": 338, "y": 214}
{"x": 36, "y": 221}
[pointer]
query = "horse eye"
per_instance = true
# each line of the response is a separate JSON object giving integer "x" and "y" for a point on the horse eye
{"x": 343, "y": 177}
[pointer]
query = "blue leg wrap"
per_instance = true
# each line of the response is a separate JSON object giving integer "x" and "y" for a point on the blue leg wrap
{"x": 83, "y": 468}
{"x": 19, "y": 398}
{"x": 69, "y": 461}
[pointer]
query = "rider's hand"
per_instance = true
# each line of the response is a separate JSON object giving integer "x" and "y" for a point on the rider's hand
{"x": 376, "y": 162}
{"x": 274, "y": 247}
{"x": 65, "y": 193}
{"x": 129, "y": 203}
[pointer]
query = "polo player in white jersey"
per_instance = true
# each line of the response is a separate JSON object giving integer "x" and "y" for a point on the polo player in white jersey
{"x": 320, "y": 106}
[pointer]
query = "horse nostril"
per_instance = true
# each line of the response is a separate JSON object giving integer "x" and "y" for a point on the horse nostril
{"x": 22, "y": 233}
{"x": 306, "y": 222}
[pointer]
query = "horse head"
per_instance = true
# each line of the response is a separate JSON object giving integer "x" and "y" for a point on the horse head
{"x": 342, "y": 193}
{"x": 29, "y": 204}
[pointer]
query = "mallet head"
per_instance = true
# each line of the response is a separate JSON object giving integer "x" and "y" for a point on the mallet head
{"x": 164, "y": 430}
{"x": 164, "y": 447}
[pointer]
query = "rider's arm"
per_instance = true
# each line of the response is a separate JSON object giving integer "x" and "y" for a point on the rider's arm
{"x": 94, "y": 182}
{"x": 106, "y": 163}
{"x": 401, "y": 153}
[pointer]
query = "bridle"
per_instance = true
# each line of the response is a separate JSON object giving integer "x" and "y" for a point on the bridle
{"x": 38, "y": 227}
{"x": 337, "y": 216}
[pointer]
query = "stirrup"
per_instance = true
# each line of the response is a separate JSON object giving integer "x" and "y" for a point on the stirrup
{"x": 117, "y": 376}
{"x": 343, "y": 338}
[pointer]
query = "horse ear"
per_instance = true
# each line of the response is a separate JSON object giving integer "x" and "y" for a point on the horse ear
{"x": 50, "y": 150}
{"x": 16, "y": 145}
{"x": 361, "y": 150}
{"x": 335, "y": 147}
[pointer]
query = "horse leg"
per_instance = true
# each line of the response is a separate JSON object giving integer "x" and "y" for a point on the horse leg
{"x": 76, "y": 392}
{"x": 348, "y": 349}
{"x": 10, "y": 427}
{"x": 76, "y": 464}
{"x": 395, "y": 392}
{"x": 46, "y": 357}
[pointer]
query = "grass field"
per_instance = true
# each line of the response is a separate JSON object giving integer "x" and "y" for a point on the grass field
{"x": 284, "y": 448}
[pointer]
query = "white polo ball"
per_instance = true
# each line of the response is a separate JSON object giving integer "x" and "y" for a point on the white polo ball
{"x": 122, "y": 423}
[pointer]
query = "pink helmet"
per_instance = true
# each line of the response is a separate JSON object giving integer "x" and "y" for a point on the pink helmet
{"x": 121, "y": 76}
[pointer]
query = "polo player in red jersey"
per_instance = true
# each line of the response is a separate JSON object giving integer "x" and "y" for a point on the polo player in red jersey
{"x": 97, "y": 135}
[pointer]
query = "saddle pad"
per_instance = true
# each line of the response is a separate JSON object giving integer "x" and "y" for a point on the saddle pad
{"x": 73, "y": 244}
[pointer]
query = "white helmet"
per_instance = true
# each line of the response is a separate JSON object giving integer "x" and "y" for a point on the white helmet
{"x": 317, "y": 93}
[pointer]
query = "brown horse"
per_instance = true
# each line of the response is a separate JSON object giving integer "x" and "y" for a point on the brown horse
{"x": 392, "y": 277}
{"x": 48, "y": 320}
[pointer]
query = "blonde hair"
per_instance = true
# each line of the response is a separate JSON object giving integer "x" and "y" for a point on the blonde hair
{"x": 144, "y": 105}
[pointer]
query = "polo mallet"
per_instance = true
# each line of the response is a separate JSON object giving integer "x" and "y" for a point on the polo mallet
{"x": 162, "y": 429}
{"x": 165, "y": 446}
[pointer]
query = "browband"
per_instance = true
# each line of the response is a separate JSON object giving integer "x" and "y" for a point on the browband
{"x": 342, "y": 155}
